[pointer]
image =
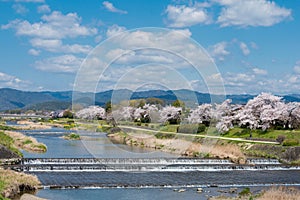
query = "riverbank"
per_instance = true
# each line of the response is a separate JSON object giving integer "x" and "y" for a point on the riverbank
{"x": 14, "y": 183}
{"x": 26, "y": 143}
{"x": 207, "y": 146}
{"x": 274, "y": 193}
{"x": 29, "y": 125}
{"x": 181, "y": 146}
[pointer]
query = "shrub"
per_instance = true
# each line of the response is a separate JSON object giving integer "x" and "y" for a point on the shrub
{"x": 201, "y": 128}
{"x": 280, "y": 138}
{"x": 74, "y": 136}
{"x": 245, "y": 191}
{"x": 160, "y": 135}
{"x": 191, "y": 128}
{"x": 187, "y": 128}
{"x": 290, "y": 142}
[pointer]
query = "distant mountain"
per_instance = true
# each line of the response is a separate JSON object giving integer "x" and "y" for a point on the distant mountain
{"x": 11, "y": 99}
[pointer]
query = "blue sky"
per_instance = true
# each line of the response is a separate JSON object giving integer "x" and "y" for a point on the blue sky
{"x": 255, "y": 44}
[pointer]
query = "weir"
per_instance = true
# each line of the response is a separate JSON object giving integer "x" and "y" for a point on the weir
{"x": 143, "y": 165}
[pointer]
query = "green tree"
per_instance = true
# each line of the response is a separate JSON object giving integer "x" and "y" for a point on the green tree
{"x": 178, "y": 104}
{"x": 108, "y": 107}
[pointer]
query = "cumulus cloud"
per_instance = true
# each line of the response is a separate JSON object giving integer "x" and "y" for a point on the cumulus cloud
{"x": 56, "y": 45}
{"x": 141, "y": 55}
{"x": 43, "y": 9}
{"x": 110, "y": 7}
{"x": 184, "y": 16}
{"x": 259, "y": 71}
{"x": 55, "y": 25}
{"x": 33, "y": 52}
{"x": 33, "y": 1}
{"x": 251, "y": 13}
{"x": 20, "y": 9}
{"x": 244, "y": 48}
{"x": 297, "y": 67}
{"x": 219, "y": 51}
{"x": 61, "y": 64}
{"x": 7, "y": 80}
{"x": 114, "y": 30}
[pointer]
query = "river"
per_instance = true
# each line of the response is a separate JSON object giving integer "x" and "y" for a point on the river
{"x": 157, "y": 184}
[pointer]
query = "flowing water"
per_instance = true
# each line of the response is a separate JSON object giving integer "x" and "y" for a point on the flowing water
{"x": 97, "y": 169}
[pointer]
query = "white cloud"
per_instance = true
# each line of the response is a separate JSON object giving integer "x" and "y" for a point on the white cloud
{"x": 10, "y": 81}
{"x": 251, "y": 13}
{"x": 20, "y": 9}
{"x": 55, "y": 45}
{"x": 218, "y": 51}
{"x": 30, "y": 1}
{"x": 244, "y": 48}
{"x": 110, "y": 7}
{"x": 154, "y": 49}
{"x": 253, "y": 45}
{"x": 114, "y": 30}
{"x": 33, "y": 52}
{"x": 60, "y": 64}
{"x": 184, "y": 16}
{"x": 55, "y": 26}
{"x": 259, "y": 71}
{"x": 98, "y": 38}
{"x": 297, "y": 67}
{"x": 43, "y": 9}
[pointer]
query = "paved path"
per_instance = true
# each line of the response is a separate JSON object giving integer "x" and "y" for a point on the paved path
{"x": 203, "y": 136}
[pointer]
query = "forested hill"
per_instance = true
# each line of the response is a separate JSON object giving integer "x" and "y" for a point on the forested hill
{"x": 11, "y": 99}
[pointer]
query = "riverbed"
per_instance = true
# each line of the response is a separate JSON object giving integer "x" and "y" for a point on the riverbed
{"x": 140, "y": 185}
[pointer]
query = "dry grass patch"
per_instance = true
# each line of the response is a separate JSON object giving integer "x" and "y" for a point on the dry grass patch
{"x": 281, "y": 193}
{"x": 31, "y": 125}
{"x": 12, "y": 183}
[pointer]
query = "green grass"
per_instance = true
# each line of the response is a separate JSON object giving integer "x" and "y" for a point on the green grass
{"x": 292, "y": 136}
{"x": 28, "y": 141}
{"x": 6, "y": 128}
{"x": 73, "y": 136}
{"x": 2, "y": 186}
{"x": 42, "y": 147}
{"x": 8, "y": 142}
{"x": 169, "y": 128}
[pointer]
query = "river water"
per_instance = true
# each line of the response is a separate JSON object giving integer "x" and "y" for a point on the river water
{"x": 116, "y": 184}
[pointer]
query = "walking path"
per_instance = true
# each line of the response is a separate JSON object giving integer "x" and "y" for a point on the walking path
{"x": 203, "y": 136}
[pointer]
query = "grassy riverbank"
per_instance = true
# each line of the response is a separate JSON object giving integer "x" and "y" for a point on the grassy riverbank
{"x": 13, "y": 183}
{"x": 235, "y": 145}
{"x": 72, "y": 136}
{"x": 26, "y": 143}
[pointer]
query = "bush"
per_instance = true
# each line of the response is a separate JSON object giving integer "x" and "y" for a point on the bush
{"x": 245, "y": 191}
{"x": 201, "y": 128}
{"x": 160, "y": 135}
{"x": 280, "y": 138}
{"x": 191, "y": 128}
{"x": 187, "y": 128}
{"x": 290, "y": 142}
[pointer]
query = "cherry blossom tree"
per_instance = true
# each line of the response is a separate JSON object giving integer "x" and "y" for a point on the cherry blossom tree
{"x": 263, "y": 111}
{"x": 125, "y": 113}
{"x": 170, "y": 114}
{"x": 92, "y": 112}
{"x": 202, "y": 114}
{"x": 294, "y": 111}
